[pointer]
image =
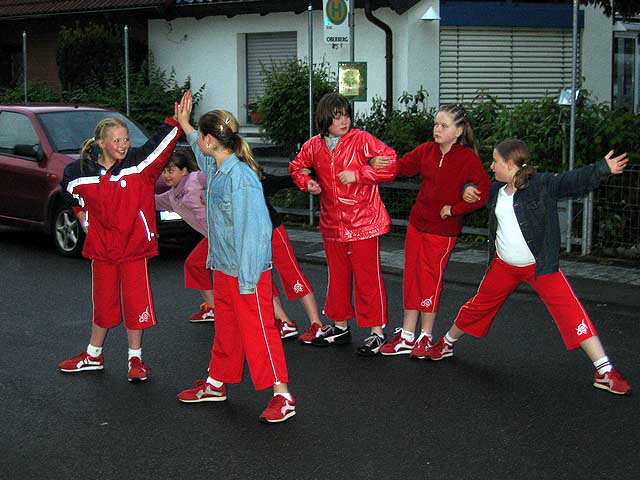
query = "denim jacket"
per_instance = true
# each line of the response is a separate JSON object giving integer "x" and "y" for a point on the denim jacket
{"x": 237, "y": 219}
{"x": 536, "y": 209}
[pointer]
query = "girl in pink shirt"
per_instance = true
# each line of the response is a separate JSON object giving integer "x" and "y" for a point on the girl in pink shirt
{"x": 186, "y": 197}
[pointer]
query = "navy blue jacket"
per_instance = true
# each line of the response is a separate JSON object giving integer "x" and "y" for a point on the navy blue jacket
{"x": 536, "y": 209}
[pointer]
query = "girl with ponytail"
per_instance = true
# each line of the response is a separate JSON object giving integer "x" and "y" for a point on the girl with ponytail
{"x": 446, "y": 166}
{"x": 239, "y": 232}
{"x": 110, "y": 189}
{"x": 524, "y": 246}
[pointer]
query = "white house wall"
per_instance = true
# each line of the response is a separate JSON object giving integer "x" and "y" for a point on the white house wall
{"x": 597, "y": 54}
{"x": 211, "y": 51}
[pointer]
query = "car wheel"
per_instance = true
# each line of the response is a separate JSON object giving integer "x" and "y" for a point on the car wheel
{"x": 68, "y": 236}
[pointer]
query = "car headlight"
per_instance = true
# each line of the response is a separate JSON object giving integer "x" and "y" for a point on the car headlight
{"x": 169, "y": 216}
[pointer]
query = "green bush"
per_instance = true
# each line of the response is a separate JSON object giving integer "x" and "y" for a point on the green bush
{"x": 92, "y": 71}
{"x": 37, "y": 92}
{"x": 401, "y": 129}
{"x": 93, "y": 55}
{"x": 151, "y": 95}
{"x": 285, "y": 103}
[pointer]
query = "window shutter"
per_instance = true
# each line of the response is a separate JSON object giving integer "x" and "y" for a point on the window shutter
{"x": 266, "y": 49}
{"x": 511, "y": 64}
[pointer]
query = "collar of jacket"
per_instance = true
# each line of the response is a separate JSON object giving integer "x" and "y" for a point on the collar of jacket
{"x": 229, "y": 163}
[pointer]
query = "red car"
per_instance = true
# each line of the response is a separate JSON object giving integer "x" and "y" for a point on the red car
{"x": 36, "y": 143}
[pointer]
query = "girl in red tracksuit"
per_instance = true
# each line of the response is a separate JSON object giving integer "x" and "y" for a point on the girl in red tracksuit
{"x": 446, "y": 166}
{"x": 352, "y": 218}
{"x": 112, "y": 187}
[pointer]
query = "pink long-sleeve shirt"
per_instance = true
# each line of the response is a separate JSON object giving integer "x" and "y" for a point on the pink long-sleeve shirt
{"x": 187, "y": 200}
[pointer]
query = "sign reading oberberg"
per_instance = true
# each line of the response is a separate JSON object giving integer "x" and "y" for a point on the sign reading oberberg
{"x": 336, "y": 21}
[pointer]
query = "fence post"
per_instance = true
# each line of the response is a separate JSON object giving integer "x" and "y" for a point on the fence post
{"x": 310, "y": 22}
{"x": 126, "y": 65}
{"x": 24, "y": 64}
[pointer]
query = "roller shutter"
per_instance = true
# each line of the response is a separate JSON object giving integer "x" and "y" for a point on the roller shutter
{"x": 266, "y": 49}
{"x": 511, "y": 64}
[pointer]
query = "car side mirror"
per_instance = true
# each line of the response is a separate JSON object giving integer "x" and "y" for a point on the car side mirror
{"x": 29, "y": 151}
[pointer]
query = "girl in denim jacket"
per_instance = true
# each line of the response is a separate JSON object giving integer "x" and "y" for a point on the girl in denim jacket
{"x": 239, "y": 232}
{"x": 524, "y": 239}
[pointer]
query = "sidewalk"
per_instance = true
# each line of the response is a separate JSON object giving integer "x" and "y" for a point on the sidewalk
{"x": 591, "y": 281}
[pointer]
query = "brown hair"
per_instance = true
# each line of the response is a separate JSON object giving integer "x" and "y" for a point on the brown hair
{"x": 223, "y": 126}
{"x": 518, "y": 152}
{"x": 461, "y": 120}
{"x": 329, "y": 106}
{"x": 181, "y": 160}
{"x": 90, "y": 145}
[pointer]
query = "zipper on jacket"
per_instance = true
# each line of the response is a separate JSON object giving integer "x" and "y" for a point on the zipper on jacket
{"x": 146, "y": 225}
{"x": 441, "y": 159}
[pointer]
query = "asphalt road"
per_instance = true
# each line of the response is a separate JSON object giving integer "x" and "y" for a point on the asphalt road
{"x": 515, "y": 405}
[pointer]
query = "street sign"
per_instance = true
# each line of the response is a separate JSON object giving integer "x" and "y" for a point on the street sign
{"x": 336, "y": 21}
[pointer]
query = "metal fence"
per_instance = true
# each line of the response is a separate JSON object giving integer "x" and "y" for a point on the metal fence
{"x": 613, "y": 226}
{"x": 616, "y": 216}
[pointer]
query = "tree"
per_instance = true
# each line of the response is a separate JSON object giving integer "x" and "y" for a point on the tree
{"x": 625, "y": 8}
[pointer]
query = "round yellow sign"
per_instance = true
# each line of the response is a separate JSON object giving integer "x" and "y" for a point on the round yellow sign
{"x": 336, "y": 11}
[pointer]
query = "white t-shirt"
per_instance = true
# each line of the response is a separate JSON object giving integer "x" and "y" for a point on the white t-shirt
{"x": 510, "y": 243}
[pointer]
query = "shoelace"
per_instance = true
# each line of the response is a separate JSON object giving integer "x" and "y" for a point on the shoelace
{"x": 371, "y": 340}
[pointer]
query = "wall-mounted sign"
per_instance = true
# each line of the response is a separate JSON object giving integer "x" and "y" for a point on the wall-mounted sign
{"x": 336, "y": 21}
{"x": 352, "y": 80}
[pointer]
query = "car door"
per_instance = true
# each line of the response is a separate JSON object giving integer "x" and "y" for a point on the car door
{"x": 23, "y": 180}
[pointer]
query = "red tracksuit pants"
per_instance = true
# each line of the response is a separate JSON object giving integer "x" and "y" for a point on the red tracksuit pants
{"x": 476, "y": 316}
{"x": 294, "y": 282}
{"x": 245, "y": 328}
{"x": 425, "y": 258}
{"x": 122, "y": 288}
{"x": 357, "y": 262}
{"x": 196, "y": 273}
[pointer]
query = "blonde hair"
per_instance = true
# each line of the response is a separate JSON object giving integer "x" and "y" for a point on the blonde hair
{"x": 223, "y": 126}
{"x": 90, "y": 145}
{"x": 461, "y": 120}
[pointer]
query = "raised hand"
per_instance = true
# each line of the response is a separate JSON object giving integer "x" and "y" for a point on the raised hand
{"x": 616, "y": 164}
{"x": 183, "y": 112}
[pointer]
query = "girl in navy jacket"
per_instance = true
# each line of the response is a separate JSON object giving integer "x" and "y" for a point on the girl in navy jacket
{"x": 524, "y": 238}
{"x": 112, "y": 190}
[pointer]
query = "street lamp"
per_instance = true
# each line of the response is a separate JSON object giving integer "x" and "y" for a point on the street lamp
{"x": 430, "y": 15}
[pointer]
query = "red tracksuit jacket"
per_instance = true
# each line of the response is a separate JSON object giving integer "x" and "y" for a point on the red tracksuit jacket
{"x": 119, "y": 203}
{"x": 443, "y": 180}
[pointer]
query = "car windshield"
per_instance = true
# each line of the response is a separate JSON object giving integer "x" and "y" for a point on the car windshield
{"x": 67, "y": 130}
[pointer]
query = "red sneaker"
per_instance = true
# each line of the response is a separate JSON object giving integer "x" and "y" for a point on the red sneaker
{"x": 82, "y": 362}
{"x": 420, "y": 349}
{"x": 398, "y": 345}
{"x": 204, "y": 315}
{"x": 286, "y": 329}
{"x": 311, "y": 333}
{"x": 613, "y": 382}
{"x": 278, "y": 409}
{"x": 203, "y": 392}
{"x": 439, "y": 351}
{"x": 137, "y": 370}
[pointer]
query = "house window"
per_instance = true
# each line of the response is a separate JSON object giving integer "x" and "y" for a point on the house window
{"x": 626, "y": 66}
{"x": 265, "y": 50}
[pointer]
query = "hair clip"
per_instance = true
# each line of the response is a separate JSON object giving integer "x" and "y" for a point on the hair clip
{"x": 226, "y": 121}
